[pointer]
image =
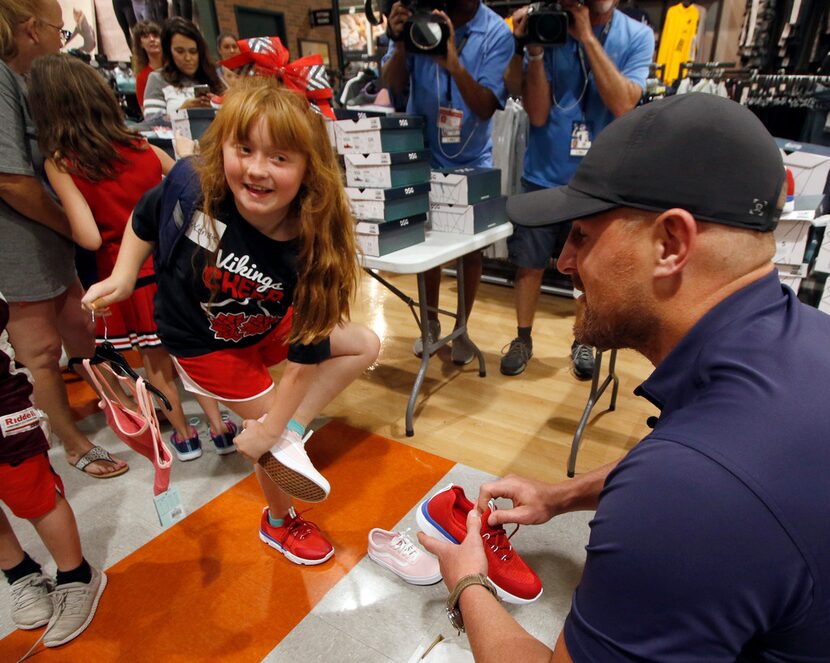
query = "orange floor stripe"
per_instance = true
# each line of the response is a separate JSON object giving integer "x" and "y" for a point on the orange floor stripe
{"x": 207, "y": 589}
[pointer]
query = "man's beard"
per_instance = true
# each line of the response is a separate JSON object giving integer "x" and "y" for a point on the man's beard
{"x": 628, "y": 325}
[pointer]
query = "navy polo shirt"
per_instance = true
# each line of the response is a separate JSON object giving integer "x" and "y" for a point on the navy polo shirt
{"x": 711, "y": 541}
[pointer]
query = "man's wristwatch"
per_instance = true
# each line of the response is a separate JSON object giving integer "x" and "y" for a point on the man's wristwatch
{"x": 453, "y": 611}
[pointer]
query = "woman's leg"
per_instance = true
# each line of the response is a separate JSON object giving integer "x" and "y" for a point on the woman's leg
{"x": 161, "y": 373}
{"x": 210, "y": 406}
{"x": 11, "y": 554}
{"x": 278, "y": 501}
{"x": 33, "y": 332}
{"x": 353, "y": 349}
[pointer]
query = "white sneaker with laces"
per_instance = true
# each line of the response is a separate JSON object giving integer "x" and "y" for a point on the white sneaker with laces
{"x": 397, "y": 552}
{"x": 31, "y": 605}
{"x": 433, "y": 334}
{"x": 288, "y": 465}
{"x": 74, "y": 607}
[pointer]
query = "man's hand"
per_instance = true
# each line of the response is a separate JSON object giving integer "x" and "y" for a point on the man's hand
{"x": 580, "y": 23}
{"x": 397, "y": 17}
{"x": 534, "y": 502}
{"x": 462, "y": 560}
{"x": 520, "y": 22}
{"x": 450, "y": 61}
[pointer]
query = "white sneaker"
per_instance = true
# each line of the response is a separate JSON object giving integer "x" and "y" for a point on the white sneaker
{"x": 74, "y": 607}
{"x": 31, "y": 605}
{"x": 288, "y": 465}
{"x": 397, "y": 552}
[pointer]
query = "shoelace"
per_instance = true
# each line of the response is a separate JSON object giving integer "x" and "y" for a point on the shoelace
{"x": 404, "y": 544}
{"x": 299, "y": 527}
{"x": 19, "y": 588}
{"x": 498, "y": 536}
{"x": 59, "y": 605}
{"x": 517, "y": 347}
{"x": 583, "y": 352}
{"x": 499, "y": 541}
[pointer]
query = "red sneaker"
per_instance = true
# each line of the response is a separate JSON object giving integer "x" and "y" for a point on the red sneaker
{"x": 444, "y": 516}
{"x": 298, "y": 539}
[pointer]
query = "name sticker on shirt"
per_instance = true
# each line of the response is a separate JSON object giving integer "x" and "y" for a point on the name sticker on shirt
{"x": 201, "y": 231}
{"x": 580, "y": 139}
{"x": 449, "y": 122}
{"x": 19, "y": 422}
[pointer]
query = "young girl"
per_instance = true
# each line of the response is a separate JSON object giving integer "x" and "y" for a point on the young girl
{"x": 264, "y": 231}
{"x": 100, "y": 170}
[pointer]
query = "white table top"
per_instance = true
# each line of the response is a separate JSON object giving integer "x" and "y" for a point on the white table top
{"x": 439, "y": 248}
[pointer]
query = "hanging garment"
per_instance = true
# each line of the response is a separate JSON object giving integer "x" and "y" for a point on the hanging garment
{"x": 139, "y": 430}
{"x": 676, "y": 40}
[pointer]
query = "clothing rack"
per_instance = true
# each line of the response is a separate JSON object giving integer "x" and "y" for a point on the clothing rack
{"x": 704, "y": 69}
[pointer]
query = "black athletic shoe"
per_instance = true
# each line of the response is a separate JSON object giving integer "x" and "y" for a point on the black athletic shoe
{"x": 582, "y": 361}
{"x": 514, "y": 361}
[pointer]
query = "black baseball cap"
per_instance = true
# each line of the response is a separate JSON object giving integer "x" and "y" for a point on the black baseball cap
{"x": 702, "y": 153}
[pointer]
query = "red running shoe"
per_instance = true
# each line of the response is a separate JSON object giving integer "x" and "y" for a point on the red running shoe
{"x": 298, "y": 539}
{"x": 444, "y": 516}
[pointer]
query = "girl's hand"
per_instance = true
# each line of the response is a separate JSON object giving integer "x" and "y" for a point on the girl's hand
{"x": 255, "y": 439}
{"x": 109, "y": 291}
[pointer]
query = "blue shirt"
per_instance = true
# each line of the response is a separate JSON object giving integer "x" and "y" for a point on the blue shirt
{"x": 711, "y": 541}
{"x": 630, "y": 45}
{"x": 487, "y": 49}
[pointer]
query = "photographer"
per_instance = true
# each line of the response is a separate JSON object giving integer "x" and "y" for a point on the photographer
{"x": 571, "y": 92}
{"x": 458, "y": 94}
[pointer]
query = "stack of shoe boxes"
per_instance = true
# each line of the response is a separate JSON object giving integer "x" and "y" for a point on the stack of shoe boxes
{"x": 387, "y": 179}
{"x": 466, "y": 200}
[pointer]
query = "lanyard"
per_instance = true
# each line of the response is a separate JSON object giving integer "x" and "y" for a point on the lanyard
{"x": 458, "y": 50}
{"x": 582, "y": 100}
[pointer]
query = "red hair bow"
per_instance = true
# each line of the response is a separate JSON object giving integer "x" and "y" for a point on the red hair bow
{"x": 266, "y": 56}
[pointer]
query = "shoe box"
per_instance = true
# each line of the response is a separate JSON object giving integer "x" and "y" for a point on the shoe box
{"x": 465, "y": 186}
{"x": 392, "y": 133}
{"x": 389, "y": 204}
{"x": 796, "y": 240}
{"x": 379, "y": 238}
{"x": 386, "y": 170}
{"x": 468, "y": 219}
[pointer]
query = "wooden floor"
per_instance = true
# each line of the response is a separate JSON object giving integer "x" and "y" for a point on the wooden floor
{"x": 498, "y": 424}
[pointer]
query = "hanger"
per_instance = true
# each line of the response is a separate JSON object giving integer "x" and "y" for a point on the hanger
{"x": 106, "y": 352}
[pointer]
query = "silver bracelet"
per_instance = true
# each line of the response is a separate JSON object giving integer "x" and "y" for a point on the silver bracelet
{"x": 535, "y": 58}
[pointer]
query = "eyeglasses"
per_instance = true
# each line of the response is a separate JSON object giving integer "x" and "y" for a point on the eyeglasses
{"x": 66, "y": 35}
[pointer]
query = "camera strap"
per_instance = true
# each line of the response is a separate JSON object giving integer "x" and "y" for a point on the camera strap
{"x": 458, "y": 50}
{"x": 582, "y": 100}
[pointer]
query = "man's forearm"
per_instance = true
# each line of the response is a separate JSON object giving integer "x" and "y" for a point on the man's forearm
{"x": 480, "y": 99}
{"x": 581, "y": 493}
{"x": 514, "y": 76}
{"x": 493, "y": 633}
{"x": 619, "y": 94}
{"x": 395, "y": 73}
{"x": 26, "y": 195}
{"x": 536, "y": 94}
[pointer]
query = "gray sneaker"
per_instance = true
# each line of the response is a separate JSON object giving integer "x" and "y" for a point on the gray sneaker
{"x": 582, "y": 361}
{"x": 462, "y": 351}
{"x": 31, "y": 605}
{"x": 75, "y": 604}
{"x": 434, "y": 333}
{"x": 514, "y": 361}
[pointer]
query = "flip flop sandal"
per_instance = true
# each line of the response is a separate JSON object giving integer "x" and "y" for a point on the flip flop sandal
{"x": 94, "y": 454}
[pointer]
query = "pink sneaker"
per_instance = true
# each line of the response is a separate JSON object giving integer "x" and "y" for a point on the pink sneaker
{"x": 398, "y": 553}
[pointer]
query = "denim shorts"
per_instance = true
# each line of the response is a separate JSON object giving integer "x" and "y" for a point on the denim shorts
{"x": 533, "y": 247}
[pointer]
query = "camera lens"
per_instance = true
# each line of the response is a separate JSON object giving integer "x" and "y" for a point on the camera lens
{"x": 552, "y": 28}
{"x": 425, "y": 35}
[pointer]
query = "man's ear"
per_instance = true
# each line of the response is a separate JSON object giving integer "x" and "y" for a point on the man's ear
{"x": 29, "y": 28}
{"x": 675, "y": 240}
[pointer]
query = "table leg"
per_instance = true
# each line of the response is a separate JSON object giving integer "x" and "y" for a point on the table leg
{"x": 428, "y": 350}
{"x": 596, "y": 393}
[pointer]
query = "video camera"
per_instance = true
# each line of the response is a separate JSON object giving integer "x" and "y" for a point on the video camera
{"x": 547, "y": 24}
{"x": 424, "y": 33}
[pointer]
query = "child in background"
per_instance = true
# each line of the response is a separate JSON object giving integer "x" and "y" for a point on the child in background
{"x": 31, "y": 489}
{"x": 100, "y": 170}
{"x": 262, "y": 269}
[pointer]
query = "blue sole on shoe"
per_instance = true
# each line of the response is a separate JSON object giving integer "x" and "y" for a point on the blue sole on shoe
{"x": 425, "y": 522}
